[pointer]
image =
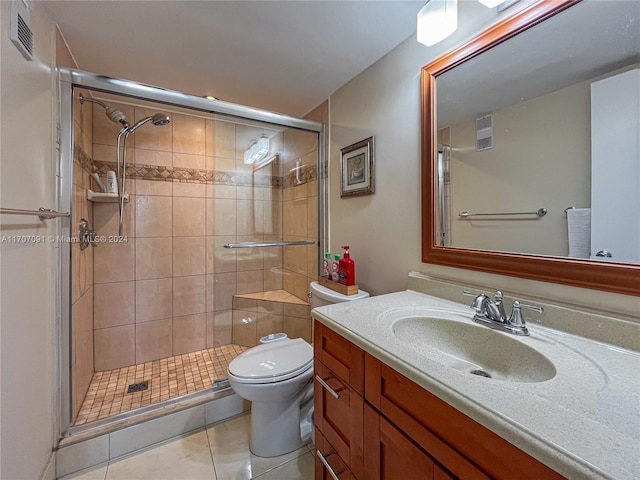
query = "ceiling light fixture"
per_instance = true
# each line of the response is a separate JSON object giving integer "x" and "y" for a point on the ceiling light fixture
{"x": 437, "y": 20}
{"x": 257, "y": 151}
{"x": 491, "y": 3}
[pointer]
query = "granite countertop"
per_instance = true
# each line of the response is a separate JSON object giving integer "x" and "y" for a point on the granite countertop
{"x": 584, "y": 422}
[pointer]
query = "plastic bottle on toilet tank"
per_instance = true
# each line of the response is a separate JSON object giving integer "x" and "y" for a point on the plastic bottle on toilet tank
{"x": 347, "y": 269}
{"x": 326, "y": 265}
{"x": 335, "y": 268}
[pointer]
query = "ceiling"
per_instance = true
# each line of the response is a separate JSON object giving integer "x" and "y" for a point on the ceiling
{"x": 283, "y": 56}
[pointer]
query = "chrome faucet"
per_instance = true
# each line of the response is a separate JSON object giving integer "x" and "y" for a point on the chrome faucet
{"x": 491, "y": 313}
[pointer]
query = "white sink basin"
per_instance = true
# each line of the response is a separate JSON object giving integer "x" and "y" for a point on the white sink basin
{"x": 473, "y": 349}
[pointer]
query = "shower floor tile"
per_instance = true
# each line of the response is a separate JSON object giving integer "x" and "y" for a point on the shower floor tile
{"x": 167, "y": 378}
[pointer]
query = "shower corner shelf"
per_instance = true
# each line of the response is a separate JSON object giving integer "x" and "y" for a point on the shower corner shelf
{"x": 100, "y": 197}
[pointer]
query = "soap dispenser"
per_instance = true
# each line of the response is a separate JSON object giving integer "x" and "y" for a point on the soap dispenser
{"x": 347, "y": 269}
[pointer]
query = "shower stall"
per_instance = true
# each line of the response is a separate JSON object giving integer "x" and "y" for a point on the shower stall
{"x": 209, "y": 242}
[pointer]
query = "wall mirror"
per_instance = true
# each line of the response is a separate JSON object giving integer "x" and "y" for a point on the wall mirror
{"x": 530, "y": 146}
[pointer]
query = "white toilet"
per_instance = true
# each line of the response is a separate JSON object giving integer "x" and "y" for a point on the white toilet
{"x": 277, "y": 377}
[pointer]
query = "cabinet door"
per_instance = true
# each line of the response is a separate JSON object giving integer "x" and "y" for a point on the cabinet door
{"x": 390, "y": 455}
{"x": 328, "y": 464}
{"x": 339, "y": 416}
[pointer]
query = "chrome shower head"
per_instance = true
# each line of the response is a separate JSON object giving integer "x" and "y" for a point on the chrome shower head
{"x": 115, "y": 115}
{"x": 158, "y": 119}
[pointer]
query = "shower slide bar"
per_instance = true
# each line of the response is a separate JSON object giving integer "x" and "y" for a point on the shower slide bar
{"x": 42, "y": 213}
{"x": 541, "y": 212}
{"x": 268, "y": 244}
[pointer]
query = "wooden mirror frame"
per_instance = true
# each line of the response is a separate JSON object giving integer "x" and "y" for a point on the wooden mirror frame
{"x": 609, "y": 276}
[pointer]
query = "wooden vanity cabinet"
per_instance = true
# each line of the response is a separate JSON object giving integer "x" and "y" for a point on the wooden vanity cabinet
{"x": 385, "y": 426}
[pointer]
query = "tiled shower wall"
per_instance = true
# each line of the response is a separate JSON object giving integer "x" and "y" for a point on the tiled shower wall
{"x": 82, "y": 361}
{"x": 168, "y": 290}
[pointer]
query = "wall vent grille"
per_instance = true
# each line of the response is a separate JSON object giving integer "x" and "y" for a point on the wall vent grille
{"x": 484, "y": 132}
{"x": 21, "y": 34}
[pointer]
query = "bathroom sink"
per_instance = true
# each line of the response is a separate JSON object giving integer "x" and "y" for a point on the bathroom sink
{"x": 474, "y": 349}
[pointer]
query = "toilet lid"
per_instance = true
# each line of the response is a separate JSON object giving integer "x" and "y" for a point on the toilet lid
{"x": 284, "y": 359}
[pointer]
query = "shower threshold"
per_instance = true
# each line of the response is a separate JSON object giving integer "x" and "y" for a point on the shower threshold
{"x": 187, "y": 379}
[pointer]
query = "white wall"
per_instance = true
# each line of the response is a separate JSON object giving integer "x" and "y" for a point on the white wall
{"x": 384, "y": 229}
{"x": 28, "y": 270}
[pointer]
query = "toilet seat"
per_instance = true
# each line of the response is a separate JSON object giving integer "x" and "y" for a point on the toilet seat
{"x": 272, "y": 362}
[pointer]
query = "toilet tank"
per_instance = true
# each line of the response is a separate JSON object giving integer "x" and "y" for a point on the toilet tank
{"x": 324, "y": 296}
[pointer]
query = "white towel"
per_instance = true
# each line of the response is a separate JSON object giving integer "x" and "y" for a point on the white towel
{"x": 579, "y": 229}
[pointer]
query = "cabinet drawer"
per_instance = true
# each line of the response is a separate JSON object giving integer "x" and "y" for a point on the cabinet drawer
{"x": 327, "y": 461}
{"x": 339, "y": 416}
{"x": 344, "y": 358}
{"x": 466, "y": 448}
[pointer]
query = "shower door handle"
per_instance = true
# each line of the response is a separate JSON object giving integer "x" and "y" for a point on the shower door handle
{"x": 269, "y": 244}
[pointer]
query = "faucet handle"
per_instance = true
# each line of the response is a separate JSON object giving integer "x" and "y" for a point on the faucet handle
{"x": 516, "y": 319}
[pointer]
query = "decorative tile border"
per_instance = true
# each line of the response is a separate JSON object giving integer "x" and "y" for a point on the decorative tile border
{"x": 80, "y": 156}
{"x": 188, "y": 175}
{"x": 161, "y": 173}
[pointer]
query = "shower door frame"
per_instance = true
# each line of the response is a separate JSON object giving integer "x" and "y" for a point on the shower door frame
{"x": 68, "y": 79}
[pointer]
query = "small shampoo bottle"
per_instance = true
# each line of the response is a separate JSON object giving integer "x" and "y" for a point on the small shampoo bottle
{"x": 326, "y": 266}
{"x": 335, "y": 268}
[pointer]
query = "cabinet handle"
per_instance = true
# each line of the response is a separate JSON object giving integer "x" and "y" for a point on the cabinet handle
{"x": 327, "y": 387}
{"x": 326, "y": 465}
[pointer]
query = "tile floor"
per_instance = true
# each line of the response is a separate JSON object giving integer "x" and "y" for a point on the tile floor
{"x": 168, "y": 378}
{"x": 221, "y": 452}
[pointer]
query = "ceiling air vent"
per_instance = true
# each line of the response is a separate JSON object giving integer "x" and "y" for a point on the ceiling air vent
{"x": 484, "y": 132}
{"x": 21, "y": 34}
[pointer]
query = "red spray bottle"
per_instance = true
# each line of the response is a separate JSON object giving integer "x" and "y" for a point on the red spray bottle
{"x": 347, "y": 270}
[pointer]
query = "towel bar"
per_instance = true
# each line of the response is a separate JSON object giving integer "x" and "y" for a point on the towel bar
{"x": 42, "y": 213}
{"x": 541, "y": 212}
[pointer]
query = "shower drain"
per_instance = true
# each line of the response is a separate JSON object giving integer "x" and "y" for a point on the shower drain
{"x": 480, "y": 373}
{"x": 138, "y": 387}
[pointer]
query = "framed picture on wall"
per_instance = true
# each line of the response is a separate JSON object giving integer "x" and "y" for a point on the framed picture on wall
{"x": 357, "y": 169}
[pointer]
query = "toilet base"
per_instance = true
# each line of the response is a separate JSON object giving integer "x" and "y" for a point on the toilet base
{"x": 277, "y": 428}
